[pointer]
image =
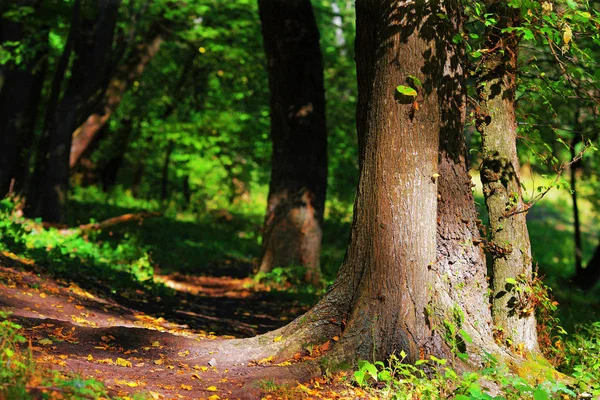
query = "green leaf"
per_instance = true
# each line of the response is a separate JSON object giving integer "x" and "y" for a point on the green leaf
{"x": 416, "y": 81}
{"x": 406, "y": 90}
{"x": 540, "y": 394}
{"x": 9, "y": 352}
{"x": 466, "y": 337}
{"x": 511, "y": 281}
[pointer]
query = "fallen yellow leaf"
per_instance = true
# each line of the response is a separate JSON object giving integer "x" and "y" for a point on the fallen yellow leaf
{"x": 45, "y": 341}
{"x": 90, "y": 357}
{"x": 186, "y": 387}
{"x": 155, "y": 344}
{"x": 158, "y": 362}
{"x": 195, "y": 376}
{"x": 212, "y": 388}
{"x": 123, "y": 363}
{"x": 214, "y": 397}
{"x": 277, "y": 339}
{"x": 183, "y": 353}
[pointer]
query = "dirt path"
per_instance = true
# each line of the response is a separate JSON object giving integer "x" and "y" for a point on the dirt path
{"x": 167, "y": 357}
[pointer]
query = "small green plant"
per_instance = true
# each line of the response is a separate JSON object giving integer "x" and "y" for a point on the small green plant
{"x": 456, "y": 337}
{"x": 581, "y": 357}
{"x": 122, "y": 267}
{"x": 281, "y": 278}
{"x": 22, "y": 378}
{"x": 435, "y": 378}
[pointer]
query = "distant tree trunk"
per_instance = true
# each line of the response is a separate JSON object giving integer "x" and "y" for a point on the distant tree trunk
{"x": 414, "y": 275}
{"x": 19, "y": 100}
{"x": 589, "y": 276}
{"x": 126, "y": 74}
{"x": 509, "y": 238}
{"x": 109, "y": 170}
{"x": 34, "y": 186}
{"x": 573, "y": 175}
{"x": 165, "y": 170}
{"x": 187, "y": 191}
{"x": 87, "y": 83}
{"x": 293, "y": 223}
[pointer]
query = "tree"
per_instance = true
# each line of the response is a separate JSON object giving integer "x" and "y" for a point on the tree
{"x": 413, "y": 278}
{"x": 292, "y": 229}
{"x": 509, "y": 238}
{"x": 20, "y": 94}
{"x": 91, "y": 42}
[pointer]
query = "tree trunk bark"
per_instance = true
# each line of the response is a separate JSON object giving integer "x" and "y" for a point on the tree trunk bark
{"x": 88, "y": 78}
{"x": 413, "y": 278}
{"x": 126, "y": 75}
{"x": 509, "y": 237}
{"x": 293, "y": 224}
{"x": 165, "y": 170}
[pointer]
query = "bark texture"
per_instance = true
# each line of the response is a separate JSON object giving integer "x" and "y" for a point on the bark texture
{"x": 292, "y": 229}
{"x": 509, "y": 238}
{"x": 413, "y": 278}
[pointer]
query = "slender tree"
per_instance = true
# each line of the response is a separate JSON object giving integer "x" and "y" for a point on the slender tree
{"x": 91, "y": 41}
{"x": 509, "y": 238}
{"x": 126, "y": 74}
{"x": 293, "y": 224}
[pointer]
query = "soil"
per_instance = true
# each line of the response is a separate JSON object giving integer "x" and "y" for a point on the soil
{"x": 143, "y": 347}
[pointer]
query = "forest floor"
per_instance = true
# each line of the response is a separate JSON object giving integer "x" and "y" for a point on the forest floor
{"x": 133, "y": 348}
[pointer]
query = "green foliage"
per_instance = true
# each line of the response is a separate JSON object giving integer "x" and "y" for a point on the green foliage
{"x": 123, "y": 268}
{"x": 581, "y": 357}
{"x": 22, "y": 378}
{"x": 282, "y": 277}
{"x": 435, "y": 378}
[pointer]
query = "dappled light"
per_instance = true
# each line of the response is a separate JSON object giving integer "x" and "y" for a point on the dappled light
{"x": 299, "y": 199}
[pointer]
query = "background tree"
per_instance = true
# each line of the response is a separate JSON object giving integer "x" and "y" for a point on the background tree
{"x": 500, "y": 174}
{"x": 293, "y": 224}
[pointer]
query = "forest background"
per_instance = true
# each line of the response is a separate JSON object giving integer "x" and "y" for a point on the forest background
{"x": 162, "y": 109}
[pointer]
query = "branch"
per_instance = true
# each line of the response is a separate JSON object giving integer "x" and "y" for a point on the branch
{"x": 96, "y": 226}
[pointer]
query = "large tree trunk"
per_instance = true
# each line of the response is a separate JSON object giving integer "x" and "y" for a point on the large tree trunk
{"x": 19, "y": 100}
{"x": 413, "y": 278}
{"x": 509, "y": 238}
{"x": 88, "y": 80}
{"x": 292, "y": 229}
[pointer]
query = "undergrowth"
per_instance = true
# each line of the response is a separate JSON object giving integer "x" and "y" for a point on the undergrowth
{"x": 124, "y": 268}
{"x": 22, "y": 378}
{"x": 434, "y": 378}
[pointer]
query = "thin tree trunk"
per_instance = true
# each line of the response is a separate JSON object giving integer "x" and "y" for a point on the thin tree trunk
{"x": 588, "y": 277}
{"x": 88, "y": 77}
{"x": 573, "y": 175}
{"x": 34, "y": 186}
{"x": 126, "y": 75}
{"x": 576, "y": 223}
{"x": 165, "y": 170}
{"x": 110, "y": 169}
{"x": 293, "y": 224}
{"x": 509, "y": 238}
